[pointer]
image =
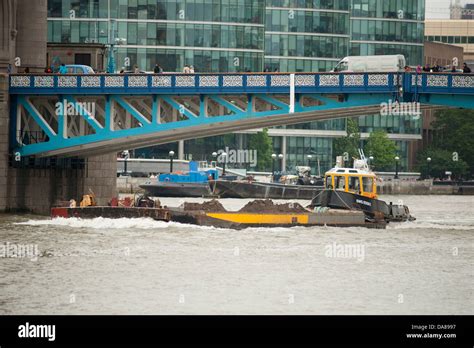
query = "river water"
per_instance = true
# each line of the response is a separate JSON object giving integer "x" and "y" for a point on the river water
{"x": 141, "y": 266}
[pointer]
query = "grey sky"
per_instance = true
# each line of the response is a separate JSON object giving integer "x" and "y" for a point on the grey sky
{"x": 440, "y": 8}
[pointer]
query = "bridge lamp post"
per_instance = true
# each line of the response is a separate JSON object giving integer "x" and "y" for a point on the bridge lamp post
{"x": 397, "y": 159}
{"x": 274, "y": 156}
{"x": 113, "y": 41}
{"x": 171, "y": 154}
{"x": 224, "y": 159}
{"x": 428, "y": 160}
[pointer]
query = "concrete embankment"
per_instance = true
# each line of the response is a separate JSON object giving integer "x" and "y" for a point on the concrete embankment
{"x": 128, "y": 184}
{"x": 423, "y": 187}
{"x": 392, "y": 187}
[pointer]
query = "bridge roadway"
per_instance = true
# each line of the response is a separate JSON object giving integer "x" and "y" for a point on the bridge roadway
{"x": 83, "y": 115}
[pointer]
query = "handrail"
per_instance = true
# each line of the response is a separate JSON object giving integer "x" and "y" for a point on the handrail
{"x": 207, "y": 83}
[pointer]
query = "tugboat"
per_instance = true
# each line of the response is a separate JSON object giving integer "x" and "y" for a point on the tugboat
{"x": 194, "y": 183}
{"x": 356, "y": 189}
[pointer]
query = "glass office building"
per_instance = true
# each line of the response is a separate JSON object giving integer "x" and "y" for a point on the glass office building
{"x": 251, "y": 35}
{"x": 315, "y": 35}
{"x": 390, "y": 27}
{"x": 222, "y": 35}
{"x": 306, "y": 35}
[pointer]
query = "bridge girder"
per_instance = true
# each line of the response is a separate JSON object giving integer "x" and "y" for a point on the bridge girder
{"x": 75, "y": 123}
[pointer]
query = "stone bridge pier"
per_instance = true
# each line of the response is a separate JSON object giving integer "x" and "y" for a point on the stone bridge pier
{"x": 29, "y": 186}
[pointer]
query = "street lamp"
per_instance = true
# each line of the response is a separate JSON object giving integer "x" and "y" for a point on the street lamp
{"x": 309, "y": 160}
{"x": 280, "y": 157}
{"x": 371, "y": 160}
{"x": 125, "y": 155}
{"x": 274, "y": 156}
{"x": 171, "y": 154}
{"x": 214, "y": 156}
{"x": 429, "y": 162}
{"x": 113, "y": 41}
{"x": 396, "y": 166}
{"x": 224, "y": 158}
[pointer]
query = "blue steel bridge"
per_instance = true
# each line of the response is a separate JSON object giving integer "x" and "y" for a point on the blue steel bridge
{"x": 105, "y": 113}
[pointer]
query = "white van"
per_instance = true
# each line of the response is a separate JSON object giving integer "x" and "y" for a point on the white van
{"x": 393, "y": 63}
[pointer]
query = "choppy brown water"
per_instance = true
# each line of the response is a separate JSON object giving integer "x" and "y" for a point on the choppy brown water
{"x": 140, "y": 266}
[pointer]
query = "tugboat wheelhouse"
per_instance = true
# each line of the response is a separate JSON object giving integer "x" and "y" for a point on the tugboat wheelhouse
{"x": 352, "y": 181}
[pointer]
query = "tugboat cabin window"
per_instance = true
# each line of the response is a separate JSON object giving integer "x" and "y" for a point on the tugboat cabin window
{"x": 329, "y": 182}
{"x": 339, "y": 182}
{"x": 354, "y": 183}
{"x": 368, "y": 184}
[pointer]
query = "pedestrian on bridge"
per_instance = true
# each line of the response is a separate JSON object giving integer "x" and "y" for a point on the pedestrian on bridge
{"x": 62, "y": 69}
{"x": 158, "y": 69}
{"x": 466, "y": 69}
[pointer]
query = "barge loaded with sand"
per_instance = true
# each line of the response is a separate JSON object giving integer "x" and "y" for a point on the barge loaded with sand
{"x": 258, "y": 213}
{"x": 349, "y": 198}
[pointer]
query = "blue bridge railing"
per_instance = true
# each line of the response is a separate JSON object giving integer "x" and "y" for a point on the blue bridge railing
{"x": 49, "y": 84}
{"x": 241, "y": 83}
{"x": 198, "y": 83}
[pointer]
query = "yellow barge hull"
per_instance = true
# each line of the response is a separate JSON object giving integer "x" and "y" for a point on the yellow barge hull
{"x": 241, "y": 220}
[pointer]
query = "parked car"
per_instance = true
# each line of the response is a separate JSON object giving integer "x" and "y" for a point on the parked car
{"x": 79, "y": 69}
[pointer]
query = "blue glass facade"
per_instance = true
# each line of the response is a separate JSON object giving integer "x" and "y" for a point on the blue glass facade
{"x": 212, "y": 35}
{"x": 388, "y": 27}
{"x": 314, "y": 35}
{"x": 306, "y": 35}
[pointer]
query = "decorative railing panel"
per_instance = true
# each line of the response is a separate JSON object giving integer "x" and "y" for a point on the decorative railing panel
{"x": 242, "y": 83}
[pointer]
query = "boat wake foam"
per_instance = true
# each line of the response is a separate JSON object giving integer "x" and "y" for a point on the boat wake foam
{"x": 417, "y": 225}
{"x": 100, "y": 223}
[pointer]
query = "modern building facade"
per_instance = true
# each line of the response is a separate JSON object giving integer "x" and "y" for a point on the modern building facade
{"x": 315, "y": 35}
{"x": 454, "y": 32}
{"x": 443, "y": 54}
{"x": 388, "y": 27}
{"x": 306, "y": 36}
{"x": 211, "y": 35}
{"x": 380, "y": 27}
{"x": 248, "y": 35}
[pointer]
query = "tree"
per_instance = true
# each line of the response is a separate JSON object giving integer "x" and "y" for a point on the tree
{"x": 382, "y": 149}
{"x": 262, "y": 142}
{"x": 455, "y": 133}
{"x": 349, "y": 143}
{"x": 441, "y": 162}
